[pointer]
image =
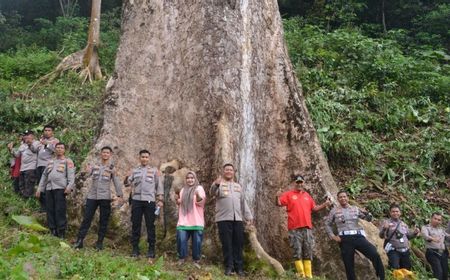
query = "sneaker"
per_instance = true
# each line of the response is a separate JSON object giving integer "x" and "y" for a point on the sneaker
{"x": 196, "y": 263}
{"x": 181, "y": 261}
{"x": 241, "y": 273}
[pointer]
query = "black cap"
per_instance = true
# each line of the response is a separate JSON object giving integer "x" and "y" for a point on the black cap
{"x": 299, "y": 179}
{"x": 27, "y": 132}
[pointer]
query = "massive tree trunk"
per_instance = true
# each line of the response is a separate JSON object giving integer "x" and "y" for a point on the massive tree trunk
{"x": 210, "y": 82}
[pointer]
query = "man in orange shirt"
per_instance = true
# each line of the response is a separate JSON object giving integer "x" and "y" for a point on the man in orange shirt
{"x": 299, "y": 206}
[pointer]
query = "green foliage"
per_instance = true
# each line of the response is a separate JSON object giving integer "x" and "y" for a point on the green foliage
{"x": 27, "y": 63}
{"x": 432, "y": 27}
{"x": 29, "y": 222}
{"x": 41, "y": 256}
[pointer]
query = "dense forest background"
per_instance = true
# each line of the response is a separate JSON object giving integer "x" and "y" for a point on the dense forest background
{"x": 375, "y": 75}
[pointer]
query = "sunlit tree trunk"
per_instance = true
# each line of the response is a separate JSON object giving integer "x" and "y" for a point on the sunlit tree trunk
{"x": 91, "y": 63}
{"x": 85, "y": 61}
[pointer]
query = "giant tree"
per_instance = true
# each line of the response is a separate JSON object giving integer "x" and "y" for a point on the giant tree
{"x": 202, "y": 83}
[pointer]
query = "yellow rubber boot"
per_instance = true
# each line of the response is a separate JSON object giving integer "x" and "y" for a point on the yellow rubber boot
{"x": 300, "y": 268}
{"x": 407, "y": 274}
{"x": 398, "y": 275}
{"x": 308, "y": 268}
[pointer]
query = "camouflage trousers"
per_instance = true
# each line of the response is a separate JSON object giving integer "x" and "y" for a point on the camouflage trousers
{"x": 302, "y": 241}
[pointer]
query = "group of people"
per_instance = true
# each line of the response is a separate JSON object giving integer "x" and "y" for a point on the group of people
{"x": 44, "y": 163}
{"x": 351, "y": 236}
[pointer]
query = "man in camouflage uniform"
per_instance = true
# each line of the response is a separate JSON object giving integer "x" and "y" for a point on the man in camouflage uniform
{"x": 147, "y": 193}
{"x": 299, "y": 206}
{"x": 46, "y": 149}
{"x": 57, "y": 181}
{"x": 27, "y": 151}
{"x": 231, "y": 211}
{"x": 351, "y": 236}
{"x": 99, "y": 195}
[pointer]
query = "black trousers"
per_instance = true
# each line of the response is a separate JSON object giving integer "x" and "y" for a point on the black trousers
{"x": 39, "y": 172}
{"x": 439, "y": 263}
{"x": 89, "y": 212}
{"x": 349, "y": 244}
{"x": 16, "y": 185}
{"x": 56, "y": 210}
{"x": 27, "y": 181}
{"x": 399, "y": 260}
{"x": 231, "y": 235}
{"x": 146, "y": 209}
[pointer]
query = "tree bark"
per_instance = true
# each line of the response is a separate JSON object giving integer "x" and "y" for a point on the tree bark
{"x": 86, "y": 61}
{"x": 203, "y": 83}
{"x": 90, "y": 58}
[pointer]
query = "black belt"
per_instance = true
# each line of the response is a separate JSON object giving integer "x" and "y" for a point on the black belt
{"x": 440, "y": 251}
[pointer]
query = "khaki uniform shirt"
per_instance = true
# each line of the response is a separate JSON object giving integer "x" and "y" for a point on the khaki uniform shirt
{"x": 429, "y": 231}
{"x": 146, "y": 183}
{"x": 28, "y": 154}
{"x": 45, "y": 151}
{"x": 346, "y": 219}
{"x": 59, "y": 174}
{"x": 230, "y": 202}
{"x": 102, "y": 176}
{"x": 397, "y": 243}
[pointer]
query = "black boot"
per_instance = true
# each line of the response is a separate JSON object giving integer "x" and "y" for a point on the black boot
{"x": 99, "y": 245}
{"x": 78, "y": 244}
{"x": 151, "y": 253}
{"x": 228, "y": 271}
{"x": 62, "y": 233}
{"x": 54, "y": 232}
{"x": 135, "y": 252}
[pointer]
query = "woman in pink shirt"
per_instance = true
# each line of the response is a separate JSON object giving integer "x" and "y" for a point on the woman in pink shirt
{"x": 191, "y": 221}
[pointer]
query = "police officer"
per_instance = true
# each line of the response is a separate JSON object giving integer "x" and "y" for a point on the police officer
{"x": 231, "y": 210}
{"x": 28, "y": 153}
{"x": 299, "y": 206}
{"x": 436, "y": 251}
{"x": 46, "y": 149}
{"x": 57, "y": 181}
{"x": 351, "y": 235}
{"x": 397, "y": 235}
{"x": 99, "y": 196}
{"x": 147, "y": 193}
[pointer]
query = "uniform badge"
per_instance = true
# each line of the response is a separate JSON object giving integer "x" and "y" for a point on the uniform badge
{"x": 294, "y": 197}
{"x": 61, "y": 168}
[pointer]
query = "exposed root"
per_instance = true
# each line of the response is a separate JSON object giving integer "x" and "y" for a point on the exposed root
{"x": 88, "y": 68}
{"x": 260, "y": 252}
